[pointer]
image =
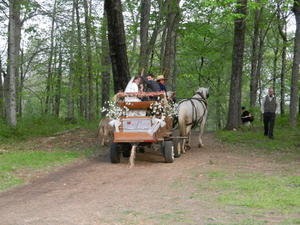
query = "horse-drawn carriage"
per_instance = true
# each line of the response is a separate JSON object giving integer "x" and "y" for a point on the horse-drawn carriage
{"x": 143, "y": 124}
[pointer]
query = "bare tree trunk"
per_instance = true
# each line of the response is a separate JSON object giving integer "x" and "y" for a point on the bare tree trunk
{"x": 89, "y": 62}
{"x": 79, "y": 62}
{"x": 276, "y": 50}
{"x": 70, "y": 97}
{"x": 49, "y": 75}
{"x": 144, "y": 28}
{"x": 105, "y": 62}
{"x": 1, "y": 92}
{"x": 58, "y": 84}
{"x": 117, "y": 44}
{"x": 254, "y": 57}
{"x": 237, "y": 67}
{"x": 13, "y": 63}
{"x": 295, "y": 68}
{"x": 168, "y": 65}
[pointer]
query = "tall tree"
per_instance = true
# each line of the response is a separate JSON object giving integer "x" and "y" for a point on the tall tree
{"x": 79, "y": 60}
{"x": 117, "y": 44}
{"x": 89, "y": 62}
{"x": 169, "y": 57}
{"x": 14, "y": 39}
{"x": 295, "y": 68}
{"x": 105, "y": 64}
{"x": 144, "y": 28}
{"x": 237, "y": 66}
{"x": 50, "y": 60}
{"x": 255, "y": 56}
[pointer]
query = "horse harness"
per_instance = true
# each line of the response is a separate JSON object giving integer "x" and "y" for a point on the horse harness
{"x": 203, "y": 102}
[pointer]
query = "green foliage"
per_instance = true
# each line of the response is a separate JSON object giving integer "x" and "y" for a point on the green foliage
{"x": 253, "y": 190}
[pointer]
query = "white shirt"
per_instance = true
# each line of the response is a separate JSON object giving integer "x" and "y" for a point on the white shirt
{"x": 132, "y": 87}
{"x": 277, "y": 111}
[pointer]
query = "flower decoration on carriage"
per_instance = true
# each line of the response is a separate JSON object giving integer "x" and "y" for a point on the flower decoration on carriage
{"x": 161, "y": 110}
{"x": 113, "y": 111}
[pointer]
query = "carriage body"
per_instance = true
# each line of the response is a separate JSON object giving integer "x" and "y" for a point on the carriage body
{"x": 141, "y": 130}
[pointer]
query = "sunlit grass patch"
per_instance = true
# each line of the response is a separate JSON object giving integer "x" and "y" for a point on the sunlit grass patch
{"x": 12, "y": 161}
{"x": 256, "y": 191}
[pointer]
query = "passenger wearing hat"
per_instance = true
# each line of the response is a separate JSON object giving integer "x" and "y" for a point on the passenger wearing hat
{"x": 161, "y": 81}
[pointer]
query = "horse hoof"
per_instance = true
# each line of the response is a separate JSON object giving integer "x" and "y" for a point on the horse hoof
{"x": 188, "y": 147}
{"x": 200, "y": 145}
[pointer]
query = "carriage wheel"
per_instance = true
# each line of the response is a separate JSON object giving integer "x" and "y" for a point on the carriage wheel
{"x": 115, "y": 153}
{"x": 168, "y": 151}
{"x": 177, "y": 148}
{"x": 126, "y": 149}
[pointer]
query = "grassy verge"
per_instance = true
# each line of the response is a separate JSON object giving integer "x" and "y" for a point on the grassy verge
{"x": 287, "y": 139}
{"x": 38, "y": 126}
{"x": 12, "y": 162}
{"x": 21, "y": 153}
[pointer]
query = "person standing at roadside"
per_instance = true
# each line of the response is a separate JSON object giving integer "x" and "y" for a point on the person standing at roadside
{"x": 269, "y": 108}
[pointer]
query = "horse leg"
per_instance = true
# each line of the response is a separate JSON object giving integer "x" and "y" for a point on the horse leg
{"x": 201, "y": 133}
{"x": 188, "y": 132}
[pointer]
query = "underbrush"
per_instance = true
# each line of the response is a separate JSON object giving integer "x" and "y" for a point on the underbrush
{"x": 286, "y": 139}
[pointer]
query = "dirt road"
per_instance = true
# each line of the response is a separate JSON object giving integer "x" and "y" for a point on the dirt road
{"x": 94, "y": 191}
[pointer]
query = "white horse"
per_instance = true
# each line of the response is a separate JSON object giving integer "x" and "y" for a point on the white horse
{"x": 191, "y": 112}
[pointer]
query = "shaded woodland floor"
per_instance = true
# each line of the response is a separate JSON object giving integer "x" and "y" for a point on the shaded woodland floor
{"x": 196, "y": 189}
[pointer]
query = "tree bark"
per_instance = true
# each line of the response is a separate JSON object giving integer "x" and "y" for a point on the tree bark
{"x": 295, "y": 68}
{"x": 70, "y": 97}
{"x": 13, "y": 55}
{"x": 89, "y": 62}
{"x": 49, "y": 73}
{"x": 105, "y": 62}
{"x": 117, "y": 44}
{"x": 79, "y": 62}
{"x": 254, "y": 57}
{"x": 1, "y": 91}
{"x": 58, "y": 84}
{"x": 144, "y": 28}
{"x": 237, "y": 67}
{"x": 168, "y": 65}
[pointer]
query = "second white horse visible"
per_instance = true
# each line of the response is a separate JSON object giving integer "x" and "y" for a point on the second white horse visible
{"x": 192, "y": 112}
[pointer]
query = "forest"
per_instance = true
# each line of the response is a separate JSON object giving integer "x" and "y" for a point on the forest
{"x": 67, "y": 58}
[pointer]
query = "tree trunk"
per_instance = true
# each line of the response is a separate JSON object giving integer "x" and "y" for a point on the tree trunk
{"x": 295, "y": 68}
{"x": 79, "y": 62}
{"x": 275, "y": 59}
{"x": 105, "y": 62}
{"x": 89, "y": 62}
{"x": 117, "y": 44}
{"x": 70, "y": 98}
{"x": 1, "y": 92}
{"x": 168, "y": 65}
{"x": 13, "y": 55}
{"x": 58, "y": 84}
{"x": 49, "y": 75}
{"x": 144, "y": 28}
{"x": 237, "y": 67}
{"x": 254, "y": 57}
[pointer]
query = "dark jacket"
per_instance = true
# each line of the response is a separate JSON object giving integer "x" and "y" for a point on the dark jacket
{"x": 152, "y": 85}
{"x": 162, "y": 87}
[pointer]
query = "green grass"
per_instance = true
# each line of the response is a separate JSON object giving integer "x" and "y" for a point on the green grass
{"x": 256, "y": 191}
{"x": 39, "y": 126}
{"x": 286, "y": 139}
{"x": 10, "y": 162}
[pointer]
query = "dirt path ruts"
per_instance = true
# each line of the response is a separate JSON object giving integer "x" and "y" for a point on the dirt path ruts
{"x": 97, "y": 192}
